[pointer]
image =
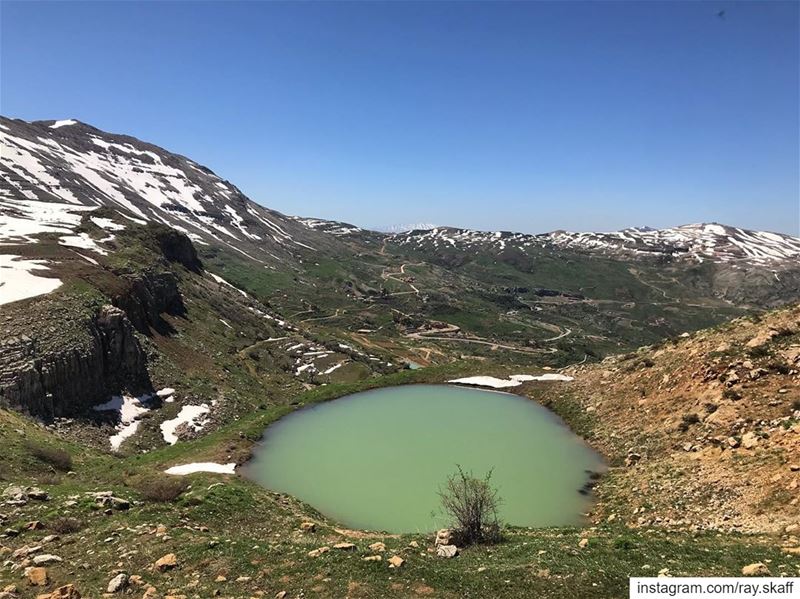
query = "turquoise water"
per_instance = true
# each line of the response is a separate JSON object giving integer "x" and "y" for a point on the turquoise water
{"x": 375, "y": 460}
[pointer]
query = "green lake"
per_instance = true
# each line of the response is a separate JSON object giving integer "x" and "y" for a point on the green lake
{"x": 376, "y": 460}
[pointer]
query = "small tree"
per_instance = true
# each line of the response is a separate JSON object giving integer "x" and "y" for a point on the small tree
{"x": 472, "y": 503}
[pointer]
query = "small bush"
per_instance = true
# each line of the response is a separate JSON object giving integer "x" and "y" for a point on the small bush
{"x": 161, "y": 489}
{"x": 64, "y": 525}
{"x": 731, "y": 394}
{"x": 57, "y": 458}
{"x": 688, "y": 420}
{"x": 472, "y": 503}
{"x": 795, "y": 405}
{"x": 710, "y": 407}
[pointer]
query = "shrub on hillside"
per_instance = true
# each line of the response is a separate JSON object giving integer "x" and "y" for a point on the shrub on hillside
{"x": 57, "y": 458}
{"x": 160, "y": 488}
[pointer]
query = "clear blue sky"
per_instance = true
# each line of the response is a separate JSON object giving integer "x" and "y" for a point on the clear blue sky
{"x": 527, "y": 116}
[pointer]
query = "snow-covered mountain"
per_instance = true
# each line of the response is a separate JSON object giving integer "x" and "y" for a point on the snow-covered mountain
{"x": 53, "y": 172}
{"x": 698, "y": 242}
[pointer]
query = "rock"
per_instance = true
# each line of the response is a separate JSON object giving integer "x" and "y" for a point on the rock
{"x": 244, "y": 579}
{"x": 794, "y": 467}
{"x": 372, "y": 558}
{"x": 46, "y": 558}
{"x": 344, "y": 546}
{"x": 35, "y": 525}
{"x": 37, "y": 576}
{"x": 280, "y": 595}
{"x": 396, "y": 561}
{"x": 308, "y": 526}
{"x": 732, "y": 442}
{"x": 37, "y": 494}
{"x": 583, "y": 543}
{"x": 220, "y": 578}
{"x": 377, "y": 547}
{"x": 749, "y": 440}
{"x": 756, "y": 569}
{"x": 545, "y": 573}
{"x": 161, "y": 530}
{"x": 118, "y": 583}
{"x": 443, "y": 537}
{"x": 135, "y": 580}
{"x": 68, "y": 591}
{"x": 791, "y": 528}
{"x": 632, "y": 459}
{"x": 166, "y": 562}
{"x": 447, "y": 551}
{"x": 25, "y": 551}
{"x": 318, "y": 552}
{"x": 791, "y": 550}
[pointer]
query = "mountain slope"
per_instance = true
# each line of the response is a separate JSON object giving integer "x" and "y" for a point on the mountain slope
{"x": 53, "y": 171}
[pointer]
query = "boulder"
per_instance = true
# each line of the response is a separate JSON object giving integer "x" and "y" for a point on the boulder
{"x": 166, "y": 562}
{"x": 583, "y": 543}
{"x": 37, "y": 576}
{"x": 749, "y": 440}
{"x": 372, "y": 558}
{"x": 444, "y": 537}
{"x": 377, "y": 547}
{"x": 344, "y": 546}
{"x": 396, "y": 561}
{"x": 447, "y": 551}
{"x": 46, "y": 558}
{"x": 118, "y": 583}
{"x": 68, "y": 591}
{"x": 308, "y": 526}
{"x": 756, "y": 569}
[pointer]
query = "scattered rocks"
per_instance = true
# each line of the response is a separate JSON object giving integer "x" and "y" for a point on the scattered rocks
{"x": 447, "y": 551}
{"x": 396, "y": 561}
{"x": 756, "y": 569}
{"x": 308, "y": 526}
{"x": 166, "y": 562}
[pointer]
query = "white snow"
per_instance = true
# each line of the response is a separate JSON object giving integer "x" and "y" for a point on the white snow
{"x": 83, "y": 241}
{"x": 165, "y": 392}
{"x": 202, "y": 467}
{"x": 130, "y": 409}
{"x": 513, "y": 381}
{"x": 334, "y": 367}
{"x": 18, "y": 281}
{"x": 63, "y": 123}
{"x": 20, "y": 220}
{"x": 193, "y": 416}
{"x": 106, "y": 223}
{"x": 222, "y": 281}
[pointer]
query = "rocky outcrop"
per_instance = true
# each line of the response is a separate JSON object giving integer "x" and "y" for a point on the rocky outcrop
{"x": 70, "y": 379}
{"x": 147, "y": 297}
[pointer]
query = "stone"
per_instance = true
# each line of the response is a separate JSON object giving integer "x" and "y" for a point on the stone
{"x": 756, "y": 569}
{"x": 220, "y": 578}
{"x": 447, "y": 551}
{"x": 37, "y": 576}
{"x": 443, "y": 537}
{"x": 377, "y": 547}
{"x": 732, "y": 442}
{"x": 344, "y": 546}
{"x": 68, "y": 591}
{"x": 318, "y": 552}
{"x": 413, "y": 544}
{"x": 46, "y": 558}
{"x": 372, "y": 558}
{"x": 166, "y": 562}
{"x": 280, "y": 595}
{"x": 35, "y": 525}
{"x": 37, "y": 494}
{"x": 791, "y": 528}
{"x": 308, "y": 526}
{"x": 118, "y": 583}
{"x": 244, "y": 579}
{"x": 583, "y": 543}
{"x": 396, "y": 561}
{"x": 749, "y": 440}
{"x": 632, "y": 459}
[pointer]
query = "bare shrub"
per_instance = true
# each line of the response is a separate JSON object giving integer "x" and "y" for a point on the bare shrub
{"x": 63, "y": 525}
{"x": 57, "y": 458}
{"x": 162, "y": 489}
{"x": 473, "y": 505}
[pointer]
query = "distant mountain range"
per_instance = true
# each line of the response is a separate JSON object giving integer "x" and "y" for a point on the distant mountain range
{"x": 53, "y": 171}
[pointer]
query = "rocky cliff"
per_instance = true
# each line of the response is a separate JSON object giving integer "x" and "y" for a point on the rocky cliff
{"x": 72, "y": 378}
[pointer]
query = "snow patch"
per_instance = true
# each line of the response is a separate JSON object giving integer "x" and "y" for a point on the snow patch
{"x": 18, "y": 281}
{"x": 193, "y": 416}
{"x": 63, "y": 123}
{"x": 130, "y": 409}
{"x": 514, "y": 380}
{"x": 202, "y": 467}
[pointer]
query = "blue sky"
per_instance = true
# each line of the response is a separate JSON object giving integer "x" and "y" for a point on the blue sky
{"x": 527, "y": 116}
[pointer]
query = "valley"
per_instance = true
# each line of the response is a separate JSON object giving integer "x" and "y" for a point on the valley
{"x": 137, "y": 281}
